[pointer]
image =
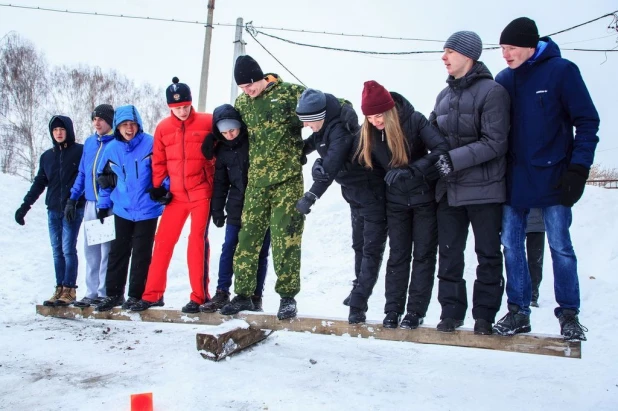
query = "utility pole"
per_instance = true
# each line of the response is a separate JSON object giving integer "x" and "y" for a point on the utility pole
{"x": 201, "y": 105}
{"x": 239, "y": 50}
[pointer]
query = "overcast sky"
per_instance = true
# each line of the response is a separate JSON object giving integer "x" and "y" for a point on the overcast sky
{"x": 154, "y": 52}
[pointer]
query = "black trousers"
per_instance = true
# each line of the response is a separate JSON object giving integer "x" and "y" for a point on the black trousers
{"x": 453, "y": 223}
{"x": 134, "y": 241}
{"x": 413, "y": 237}
{"x": 369, "y": 231}
{"x": 535, "y": 249}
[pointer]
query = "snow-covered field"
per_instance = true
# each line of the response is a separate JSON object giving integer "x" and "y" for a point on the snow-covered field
{"x": 51, "y": 364}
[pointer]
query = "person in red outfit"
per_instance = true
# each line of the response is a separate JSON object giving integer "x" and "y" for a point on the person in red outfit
{"x": 177, "y": 154}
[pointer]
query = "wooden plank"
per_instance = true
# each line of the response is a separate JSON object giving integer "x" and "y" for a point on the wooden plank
{"x": 523, "y": 343}
{"x": 218, "y": 346}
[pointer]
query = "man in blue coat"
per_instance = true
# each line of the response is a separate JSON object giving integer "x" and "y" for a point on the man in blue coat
{"x": 547, "y": 168}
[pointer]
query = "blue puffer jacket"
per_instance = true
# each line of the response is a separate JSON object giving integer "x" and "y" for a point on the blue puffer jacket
{"x": 86, "y": 181}
{"x": 131, "y": 162}
{"x": 548, "y": 99}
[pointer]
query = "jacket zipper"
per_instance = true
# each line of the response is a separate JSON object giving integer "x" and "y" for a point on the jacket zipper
{"x": 94, "y": 171}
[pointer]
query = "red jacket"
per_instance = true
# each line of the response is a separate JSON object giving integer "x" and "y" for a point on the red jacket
{"x": 177, "y": 154}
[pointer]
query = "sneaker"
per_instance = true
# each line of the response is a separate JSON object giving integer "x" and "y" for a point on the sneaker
{"x": 110, "y": 302}
{"x": 52, "y": 301}
{"x": 191, "y": 308}
{"x": 448, "y": 325}
{"x": 67, "y": 297}
{"x": 218, "y": 301}
{"x": 142, "y": 304}
{"x": 570, "y": 328}
{"x": 86, "y": 302}
{"x": 129, "y": 303}
{"x": 287, "y": 308}
{"x": 391, "y": 320}
{"x": 357, "y": 316}
{"x": 482, "y": 327}
{"x": 238, "y": 304}
{"x": 513, "y": 322}
{"x": 411, "y": 321}
{"x": 257, "y": 302}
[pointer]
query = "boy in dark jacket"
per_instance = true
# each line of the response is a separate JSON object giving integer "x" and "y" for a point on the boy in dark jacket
{"x": 58, "y": 168}
{"x": 231, "y": 170}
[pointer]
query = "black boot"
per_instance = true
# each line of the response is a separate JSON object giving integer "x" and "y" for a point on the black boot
{"x": 257, "y": 302}
{"x": 110, "y": 302}
{"x": 191, "y": 308}
{"x": 570, "y": 327}
{"x": 142, "y": 305}
{"x": 448, "y": 325}
{"x": 513, "y": 322}
{"x": 357, "y": 316}
{"x": 411, "y": 321}
{"x": 218, "y": 301}
{"x": 391, "y": 320}
{"x": 287, "y": 308}
{"x": 129, "y": 303}
{"x": 482, "y": 327}
{"x": 238, "y": 304}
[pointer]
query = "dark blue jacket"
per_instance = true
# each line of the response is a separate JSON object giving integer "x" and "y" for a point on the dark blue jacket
{"x": 86, "y": 181}
{"x": 57, "y": 170}
{"x": 131, "y": 161}
{"x": 548, "y": 99}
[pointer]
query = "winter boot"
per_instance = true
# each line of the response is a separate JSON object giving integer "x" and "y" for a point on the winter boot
{"x": 482, "y": 327}
{"x": 191, "y": 308}
{"x": 129, "y": 303}
{"x": 110, "y": 302}
{"x": 218, "y": 301}
{"x": 513, "y": 322}
{"x": 357, "y": 316}
{"x": 67, "y": 297}
{"x": 52, "y": 301}
{"x": 534, "y": 303}
{"x": 257, "y": 302}
{"x": 411, "y": 321}
{"x": 143, "y": 305}
{"x": 448, "y": 325}
{"x": 391, "y": 320}
{"x": 570, "y": 328}
{"x": 86, "y": 302}
{"x": 287, "y": 308}
{"x": 238, "y": 304}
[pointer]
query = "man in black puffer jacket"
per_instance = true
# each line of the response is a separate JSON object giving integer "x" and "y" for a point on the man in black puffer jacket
{"x": 335, "y": 137}
{"x": 472, "y": 113}
{"x": 230, "y": 145}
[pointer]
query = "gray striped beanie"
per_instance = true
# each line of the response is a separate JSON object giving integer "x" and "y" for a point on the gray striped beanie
{"x": 467, "y": 43}
{"x": 311, "y": 106}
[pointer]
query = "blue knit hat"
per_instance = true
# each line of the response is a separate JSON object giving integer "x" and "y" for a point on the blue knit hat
{"x": 467, "y": 43}
{"x": 311, "y": 105}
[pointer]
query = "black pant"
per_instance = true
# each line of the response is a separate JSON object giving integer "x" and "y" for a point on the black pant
{"x": 453, "y": 222}
{"x": 368, "y": 216}
{"x": 134, "y": 241}
{"x": 412, "y": 232}
{"x": 535, "y": 249}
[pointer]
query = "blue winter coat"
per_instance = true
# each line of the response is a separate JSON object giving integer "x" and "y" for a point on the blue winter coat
{"x": 131, "y": 162}
{"x": 86, "y": 181}
{"x": 548, "y": 99}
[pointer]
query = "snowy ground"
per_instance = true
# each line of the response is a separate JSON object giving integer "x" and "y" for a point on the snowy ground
{"x": 47, "y": 363}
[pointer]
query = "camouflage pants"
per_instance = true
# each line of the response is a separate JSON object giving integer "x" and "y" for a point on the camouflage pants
{"x": 272, "y": 206}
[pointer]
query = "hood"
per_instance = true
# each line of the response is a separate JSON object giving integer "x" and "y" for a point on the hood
{"x": 545, "y": 50}
{"x": 228, "y": 112}
{"x": 333, "y": 109}
{"x": 126, "y": 113}
{"x": 68, "y": 125}
{"x": 405, "y": 109}
{"x": 478, "y": 71}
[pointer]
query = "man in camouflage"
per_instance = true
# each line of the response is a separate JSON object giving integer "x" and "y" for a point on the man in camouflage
{"x": 268, "y": 108}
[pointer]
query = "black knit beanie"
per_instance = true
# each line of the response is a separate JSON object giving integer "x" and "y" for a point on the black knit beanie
{"x": 247, "y": 70}
{"x": 521, "y": 32}
{"x": 178, "y": 94}
{"x": 104, "y": 111}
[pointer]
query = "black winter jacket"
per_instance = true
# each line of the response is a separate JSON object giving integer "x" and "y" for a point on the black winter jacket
{"x": 421, "y": 137}
{"x": 231, "y": 168}
{"x": 472, "y": 113}
{"x": 58, "y": 168}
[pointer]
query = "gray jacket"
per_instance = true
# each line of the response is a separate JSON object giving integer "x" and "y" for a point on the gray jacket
{"x": 536, "y": 224}
{"x": 473, "y": 114}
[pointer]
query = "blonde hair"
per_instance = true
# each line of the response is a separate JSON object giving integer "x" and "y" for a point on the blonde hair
{"x": 395, "y": 139}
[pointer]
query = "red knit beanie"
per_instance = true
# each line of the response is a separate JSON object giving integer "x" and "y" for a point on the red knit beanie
{"x": 376, "y": 99}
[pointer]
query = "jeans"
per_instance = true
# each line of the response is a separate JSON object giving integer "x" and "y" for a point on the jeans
{"x": 566, "y": 283}
{"x": 226, "y": 261}
{"x": 63, "y": 237}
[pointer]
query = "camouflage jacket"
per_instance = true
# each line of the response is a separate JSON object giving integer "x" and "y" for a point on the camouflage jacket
{"x": 275, "y": 141}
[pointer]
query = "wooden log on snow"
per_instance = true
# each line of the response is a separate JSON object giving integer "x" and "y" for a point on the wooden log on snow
{"x": 524, "y": 343}
{"x": 216, "y": 347}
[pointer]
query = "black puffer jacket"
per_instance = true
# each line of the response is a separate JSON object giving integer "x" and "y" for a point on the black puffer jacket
{"x": 58, "y": 168}
{"x": 231, "y": 168}
{"x": 472, "y": 113}
{"x": 421, "y": 137}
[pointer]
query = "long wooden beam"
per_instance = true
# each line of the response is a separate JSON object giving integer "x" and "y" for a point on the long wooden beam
{"x": 524, "y": 343}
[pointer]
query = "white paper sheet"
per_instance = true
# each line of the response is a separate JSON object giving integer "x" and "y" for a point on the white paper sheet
{"x": 97, "y": 233}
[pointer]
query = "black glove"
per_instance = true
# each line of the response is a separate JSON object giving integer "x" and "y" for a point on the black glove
{"x": 107, "y": 180}
{"x": 166, "y": 199}
{"x": 444, "y": 165}
{"x": 208, "y": 146}
{"x": 218, "y": 220}
{"x": 21, "y": 213}
{"x": 102, "y": 213}
{"x": 572, "y": 184}
{"x": 157, "y": 193}
{"x": 318, "y": 173}
{"x": 70, "y": 210}
{"x": 304, "y": 204}
{"x": 303, "y": 159}
{"x": 397, "y": 173}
